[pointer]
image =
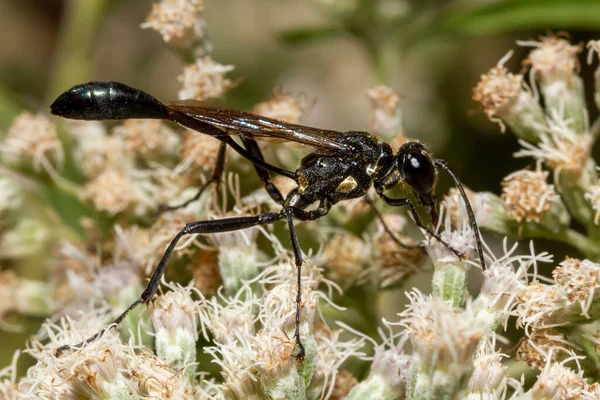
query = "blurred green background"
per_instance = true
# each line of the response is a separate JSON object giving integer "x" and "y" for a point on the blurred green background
{"x": 431, "y": 52}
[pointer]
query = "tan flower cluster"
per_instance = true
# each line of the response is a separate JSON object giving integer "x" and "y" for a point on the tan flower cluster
{"x": 105, "y": 368}
{"x": 536, "y": 303}
{"x": 150, "y": 244}
{"x": 440, "y": 333}
{"x": 112, "y": 191}
{"x": 345, "y": 255}
{"x": 148, "y": 138}
{"x": 543, "y": 346}
{"x": 395, "y": 262}
{"x": 579, "y": 280}
{"x": 179, "y": 22}
{"x": 559, "y": 147}
{"x": 527, "y": 195}
{"x": 283, "y": 106}
{"x": 198, "y": 150}
{"x": 205, "y": 79}
{"x": 385, "y": 111}
{"x": 498, "y": 89}
{"x": 33, "y": 138}
{"x": 553, "y": 56}
{"x": 556, "y": 381}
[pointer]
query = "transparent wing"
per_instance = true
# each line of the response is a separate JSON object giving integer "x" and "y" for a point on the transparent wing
{"x": 234, "y": 122}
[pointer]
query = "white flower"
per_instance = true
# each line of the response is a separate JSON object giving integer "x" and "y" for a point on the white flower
{"x": 205, "y": 80}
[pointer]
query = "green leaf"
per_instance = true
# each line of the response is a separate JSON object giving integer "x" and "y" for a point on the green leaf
{"x": 523, "y": 14}
{"x": 306, "y": 35}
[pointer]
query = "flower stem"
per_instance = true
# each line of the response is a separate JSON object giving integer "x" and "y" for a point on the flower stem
{"x": 587, "y": 247}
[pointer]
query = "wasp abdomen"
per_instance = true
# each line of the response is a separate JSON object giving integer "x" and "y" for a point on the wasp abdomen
{"x": 107, "y": 100}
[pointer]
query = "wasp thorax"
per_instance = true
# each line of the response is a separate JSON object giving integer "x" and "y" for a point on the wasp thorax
{"x": 416, "y": 168}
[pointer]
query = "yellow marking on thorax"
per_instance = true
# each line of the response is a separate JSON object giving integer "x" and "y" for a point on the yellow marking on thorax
{"x": 302, "y": 183}
{"x": 347, "y": 185}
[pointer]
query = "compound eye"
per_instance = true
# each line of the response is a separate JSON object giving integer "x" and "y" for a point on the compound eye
{"x": 419, "y": 172}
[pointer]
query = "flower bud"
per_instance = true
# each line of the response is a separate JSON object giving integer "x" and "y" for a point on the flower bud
{"x": 506, "y": 100}
{"x": 174, "y": 316}
{"x": 554, "y": 64}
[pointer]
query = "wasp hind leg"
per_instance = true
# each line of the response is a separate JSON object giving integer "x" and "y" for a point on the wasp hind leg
{"x": 215, "y": 178}
{"x": 199, "y": 227}
{"x": 291, "y": 213}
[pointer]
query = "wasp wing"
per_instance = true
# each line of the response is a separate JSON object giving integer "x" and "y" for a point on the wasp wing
{"x": 234, "y": 122}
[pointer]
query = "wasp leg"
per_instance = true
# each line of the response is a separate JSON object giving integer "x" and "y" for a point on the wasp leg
{"x": 406, "y": 202}
{"x": 291, "y": 213}
{"x": 211, "y": 226}
{"x": 387, "y": 230}
{"x": 216, "y": 177}
{"x": 262, "y": 173}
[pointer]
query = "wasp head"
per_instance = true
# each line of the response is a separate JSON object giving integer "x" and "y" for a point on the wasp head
{"x": 417, "y": 170}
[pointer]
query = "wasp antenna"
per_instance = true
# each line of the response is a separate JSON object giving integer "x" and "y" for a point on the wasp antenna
{"x": 444, "y": 165}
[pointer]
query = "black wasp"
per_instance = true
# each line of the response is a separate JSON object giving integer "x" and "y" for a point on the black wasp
{"x": 343, "y": 166}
